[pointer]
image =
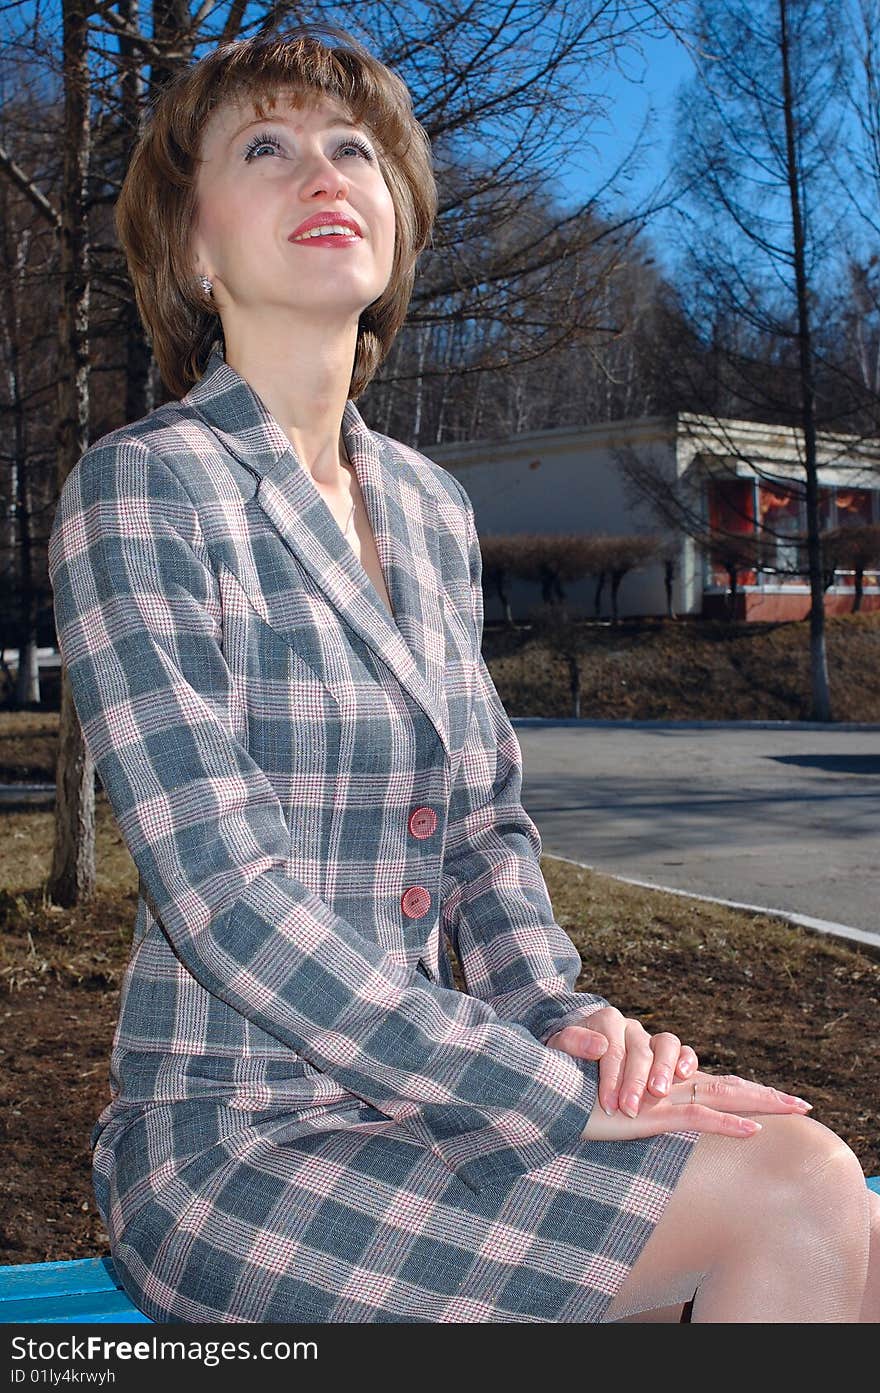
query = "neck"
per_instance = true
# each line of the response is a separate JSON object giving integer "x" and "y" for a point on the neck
{"x": 303, "y": 377}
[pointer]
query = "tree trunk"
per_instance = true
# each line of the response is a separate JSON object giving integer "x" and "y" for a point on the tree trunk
{"x": 27, "y": 687}
{"x": 860, "y": 586}
{"x": 820, "y": 690}
{"x": 505, "y": 602}
{"x": 616, "y": 578}
{"x": 16, "y": 246}
{"x": 732, "y": 592}
{"x": 547, "y": 585}
{"x": 574, "y": 673}
{"x": 27, "y": 679}
{"x": 597, "y": 598}
{"x": 72, "y": 877}
{"x": 668, "y": 579}
{"x": 73, "y": 855}
{"x": 139, "y": 395}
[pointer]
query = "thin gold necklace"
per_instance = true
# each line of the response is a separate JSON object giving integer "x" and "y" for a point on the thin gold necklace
{"x": 348, "y": 465}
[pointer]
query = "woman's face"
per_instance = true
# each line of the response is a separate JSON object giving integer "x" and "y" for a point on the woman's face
{"x": 259, "y": 182}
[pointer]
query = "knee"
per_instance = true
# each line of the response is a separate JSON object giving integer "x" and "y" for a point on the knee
{"x": 874, "y": 1224}
{"x": 807, "y": 1165}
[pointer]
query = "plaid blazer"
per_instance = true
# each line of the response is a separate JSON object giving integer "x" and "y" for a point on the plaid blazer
{"x": 315, "y": 794}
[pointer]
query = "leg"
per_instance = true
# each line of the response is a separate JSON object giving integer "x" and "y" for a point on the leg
{"x": 667, "y": 1315}
{"x": 871, "y": 1300}
{"x": 771, "y": 1228}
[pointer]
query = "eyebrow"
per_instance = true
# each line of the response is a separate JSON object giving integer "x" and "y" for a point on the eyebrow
{"x": 266, "y": 120}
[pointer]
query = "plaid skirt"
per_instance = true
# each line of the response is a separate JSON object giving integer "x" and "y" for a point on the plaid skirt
{"x": 335, "y": 1214}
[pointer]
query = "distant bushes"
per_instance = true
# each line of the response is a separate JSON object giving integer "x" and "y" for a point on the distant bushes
{"x": 855, "y": 549}
{"x": 554, "y": 560}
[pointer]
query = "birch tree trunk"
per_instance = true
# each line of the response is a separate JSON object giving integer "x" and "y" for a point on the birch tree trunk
{"x": 820, "y": 690}
{"x": 72, "y": 875}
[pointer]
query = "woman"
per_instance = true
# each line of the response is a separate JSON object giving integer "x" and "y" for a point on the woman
{"x": 271, "y": 617}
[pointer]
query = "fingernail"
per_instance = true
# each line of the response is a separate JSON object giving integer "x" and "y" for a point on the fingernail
{"x": 795, "y": 1101}
{"x": 748, "y": 1125}
{"x": 659, "y": 1084}
{"x": 630, "y": 1104}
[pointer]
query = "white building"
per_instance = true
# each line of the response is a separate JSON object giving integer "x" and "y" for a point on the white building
{"x": 572, "y": 480}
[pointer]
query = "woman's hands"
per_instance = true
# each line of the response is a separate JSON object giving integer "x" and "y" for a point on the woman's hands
{"x": 659, "y": 1085}
{"x": 719, "y": 1100}
{"x": 630, "y": 1060}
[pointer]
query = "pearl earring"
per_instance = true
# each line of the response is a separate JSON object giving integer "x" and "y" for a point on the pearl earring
{"x": 207, "y": 284}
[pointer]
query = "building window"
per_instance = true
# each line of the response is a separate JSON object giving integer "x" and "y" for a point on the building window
{"x": 782, "y": 511}
{"x": 774, "y": 513}
{"x": 855, "y": 507}
{"x": 730, "y": 507}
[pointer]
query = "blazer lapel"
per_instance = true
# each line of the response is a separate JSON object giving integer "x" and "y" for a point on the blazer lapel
{"x": 412, "y": 644}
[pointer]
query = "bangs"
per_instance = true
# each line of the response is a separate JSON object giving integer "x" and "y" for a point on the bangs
{"x": 275, "y": 72}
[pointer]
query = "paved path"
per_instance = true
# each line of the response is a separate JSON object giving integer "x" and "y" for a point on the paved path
{"x": 19, "y": 797}
{"x": 785, "y": 817}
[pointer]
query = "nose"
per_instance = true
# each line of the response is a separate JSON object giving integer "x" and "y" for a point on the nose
{"x": 323, "y": 178}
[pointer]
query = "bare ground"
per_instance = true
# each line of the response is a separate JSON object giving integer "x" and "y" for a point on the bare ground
{"x": 754, "y": 996}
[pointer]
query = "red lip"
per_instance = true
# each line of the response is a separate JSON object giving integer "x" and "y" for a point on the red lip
{"x": 321, "y": 220}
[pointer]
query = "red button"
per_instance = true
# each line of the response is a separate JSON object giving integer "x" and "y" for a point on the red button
{"x": 415, "y": 901}
{"x": 423, "y": 822}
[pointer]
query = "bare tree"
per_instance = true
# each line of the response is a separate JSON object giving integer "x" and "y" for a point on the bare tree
{"x": 500, "y": 553}
{"x": 855, "y": 548}
{"x": 506, "y": 97}
{"x": 559, "y": 631}
{"x": 613, "y": 558}
{"x": 72, "y": 876}
{"x": 755, "y": 125}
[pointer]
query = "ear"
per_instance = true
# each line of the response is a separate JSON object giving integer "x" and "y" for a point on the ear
{"x": 198, "y": 251}
{"x": 200, "y": 266}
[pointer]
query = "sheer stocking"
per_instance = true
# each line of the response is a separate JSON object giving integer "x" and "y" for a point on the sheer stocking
{"x": 871, "y": 1298}
{"x": 773, "y": 1228}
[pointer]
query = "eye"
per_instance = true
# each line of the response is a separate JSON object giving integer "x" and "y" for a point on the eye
{"x": 257, "y": 141}
{"x": 352, "y": 143}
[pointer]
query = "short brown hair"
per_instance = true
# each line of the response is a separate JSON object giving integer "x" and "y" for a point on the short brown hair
{"x": 156, "y": 207}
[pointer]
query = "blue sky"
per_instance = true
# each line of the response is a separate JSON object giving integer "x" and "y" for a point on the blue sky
{"x": 645, "y": 89}
{"x": 641, "y": 88}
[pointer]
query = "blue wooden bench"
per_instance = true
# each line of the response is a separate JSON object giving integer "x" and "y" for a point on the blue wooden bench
{"x": 69, "y": 1293}
{"x": 85, "y": 1291}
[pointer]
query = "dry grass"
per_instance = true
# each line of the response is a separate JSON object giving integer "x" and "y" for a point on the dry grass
{"x": 659, "y": 670}
{"x": 752, "y": 994}
{"x": 28, "y": 745}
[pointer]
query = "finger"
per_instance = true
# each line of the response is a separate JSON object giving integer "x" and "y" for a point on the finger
{"x": 637, "y": 1068}
{"x": 589, "y": 1043}
{"x": 666, "y": 1048}
{"x": 578, "y": 1041}
{"x": 726, "y": 1124}
{"x": 611, "y": 1072}
{"x": 688, "y": 1063}
{"x": 731, "y": 1093}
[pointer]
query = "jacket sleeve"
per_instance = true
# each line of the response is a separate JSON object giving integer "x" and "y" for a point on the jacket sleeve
{"x": 138, "y": 618}
{"x": 496, "y": 907}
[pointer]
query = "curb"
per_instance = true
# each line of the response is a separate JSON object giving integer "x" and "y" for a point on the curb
{"x": 694, "y": 725}
{"x": 801, "y": 921}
